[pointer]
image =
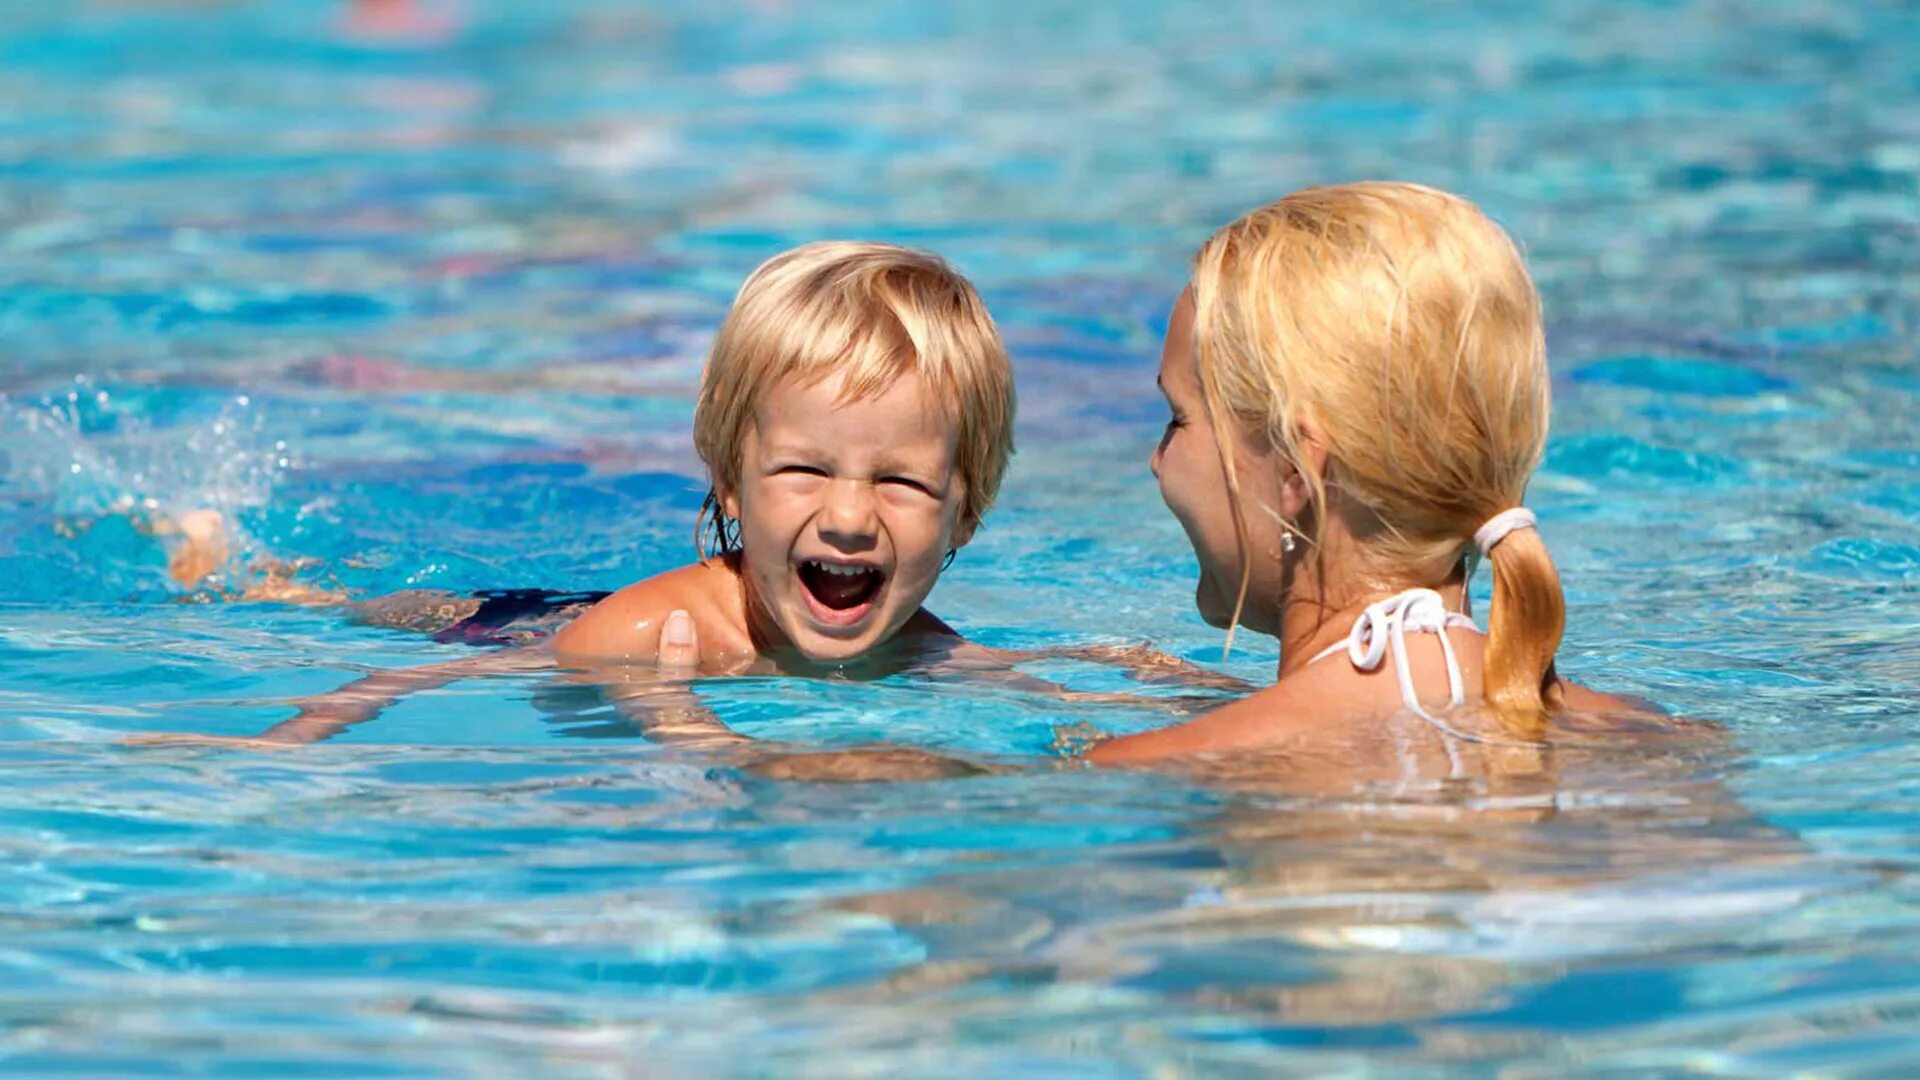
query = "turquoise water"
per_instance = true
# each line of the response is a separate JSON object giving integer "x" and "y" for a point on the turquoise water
{"x": 427, "y": 304}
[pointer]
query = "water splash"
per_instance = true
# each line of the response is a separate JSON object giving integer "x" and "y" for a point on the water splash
{"x": 93, "y": 455}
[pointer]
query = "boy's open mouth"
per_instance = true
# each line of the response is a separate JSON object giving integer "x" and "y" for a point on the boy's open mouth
{"x": 840, "y": 594}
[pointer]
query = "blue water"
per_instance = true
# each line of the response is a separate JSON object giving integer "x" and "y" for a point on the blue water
{"x": 428, "y": 305}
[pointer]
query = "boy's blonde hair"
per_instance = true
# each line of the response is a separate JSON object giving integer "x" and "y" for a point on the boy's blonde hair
{"x": 873, "y": 312}
{"x": 1402, "y": 324}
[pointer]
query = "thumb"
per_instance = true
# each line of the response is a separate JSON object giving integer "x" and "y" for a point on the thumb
{"x": 679, "y": 651}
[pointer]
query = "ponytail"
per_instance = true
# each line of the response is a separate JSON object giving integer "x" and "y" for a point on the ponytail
{"x": 1523, "y": 631}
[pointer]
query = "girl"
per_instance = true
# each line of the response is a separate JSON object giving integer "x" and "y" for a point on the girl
{"x": 1359, "y": 389}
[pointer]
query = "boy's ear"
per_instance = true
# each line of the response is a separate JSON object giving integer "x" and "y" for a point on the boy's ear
{"x": 962, "y": 534}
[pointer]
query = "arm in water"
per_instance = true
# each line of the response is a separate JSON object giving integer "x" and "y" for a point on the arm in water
{"x": 326, "y": 715}
{"x": 658, "y": 701}
{"x": 1143, "y": 663}
{"x": 667, "y": 711}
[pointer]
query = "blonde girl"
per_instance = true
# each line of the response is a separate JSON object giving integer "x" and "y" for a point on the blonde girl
{"x": 1359, "y": 389}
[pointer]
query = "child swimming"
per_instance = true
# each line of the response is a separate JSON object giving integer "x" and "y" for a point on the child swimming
{"x": 856, "y": 419}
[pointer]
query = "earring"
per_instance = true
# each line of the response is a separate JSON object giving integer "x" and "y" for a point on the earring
{"x": 1287, "y": 543}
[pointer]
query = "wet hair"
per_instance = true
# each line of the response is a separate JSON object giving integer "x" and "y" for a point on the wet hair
{"x": 871, "y": 313}
{"x": 1401, "y": 324}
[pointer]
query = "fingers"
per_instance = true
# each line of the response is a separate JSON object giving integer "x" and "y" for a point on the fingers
{"x": 679, "y": 650}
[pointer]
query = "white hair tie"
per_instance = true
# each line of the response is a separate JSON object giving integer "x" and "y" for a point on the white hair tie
{"x": 1499, "y": 525}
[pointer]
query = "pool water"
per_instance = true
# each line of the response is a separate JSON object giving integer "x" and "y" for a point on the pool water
{"x": 423, "y": 297}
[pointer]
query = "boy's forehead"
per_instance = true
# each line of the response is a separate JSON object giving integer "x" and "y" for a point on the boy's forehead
{"x": 836, "y": 389}
{"x": 903, "y": 419}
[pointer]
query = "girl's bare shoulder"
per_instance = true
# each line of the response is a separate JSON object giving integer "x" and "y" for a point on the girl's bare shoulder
{"x": 1314, "y": 712}
{"x": 1592, "y": 712}
{"x": 1280, "y": 713}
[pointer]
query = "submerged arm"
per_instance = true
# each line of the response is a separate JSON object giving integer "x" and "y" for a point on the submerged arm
{"x": 668, "y": 711}
{"x": 1145, "y": 664}
{"x": 323, "y": 716}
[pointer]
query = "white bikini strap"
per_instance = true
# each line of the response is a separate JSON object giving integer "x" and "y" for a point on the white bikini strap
{"x": 1382, "y": 629}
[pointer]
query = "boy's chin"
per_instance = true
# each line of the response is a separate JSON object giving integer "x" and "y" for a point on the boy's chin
{"x": 833, "y": 651}
{"x": 823, "y": 648}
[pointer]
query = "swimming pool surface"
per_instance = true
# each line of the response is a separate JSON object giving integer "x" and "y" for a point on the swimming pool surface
{"x": 425, "y": 300}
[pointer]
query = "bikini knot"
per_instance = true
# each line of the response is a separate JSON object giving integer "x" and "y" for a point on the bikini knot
{"x": 1386, "y": 623}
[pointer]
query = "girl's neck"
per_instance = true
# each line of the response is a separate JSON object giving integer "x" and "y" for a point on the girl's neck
{"x": 1313, "y": 618}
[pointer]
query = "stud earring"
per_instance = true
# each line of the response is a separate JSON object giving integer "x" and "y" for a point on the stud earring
{"x": 1287, "y": 543}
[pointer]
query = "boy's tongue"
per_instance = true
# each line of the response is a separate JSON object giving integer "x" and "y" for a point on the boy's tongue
{"x": 839, "y": 591}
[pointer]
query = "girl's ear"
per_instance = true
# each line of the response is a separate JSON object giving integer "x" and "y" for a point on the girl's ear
{"x": 730, "y": 503}
{"x": 1296, "y": 489}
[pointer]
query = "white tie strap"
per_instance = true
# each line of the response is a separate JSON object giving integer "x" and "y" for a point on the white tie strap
{"x": 1382, "y": 629}
{"x": 1381, "y": 632}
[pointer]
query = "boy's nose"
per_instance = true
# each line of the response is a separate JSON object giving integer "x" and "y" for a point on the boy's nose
{"x": 847, "y": 517}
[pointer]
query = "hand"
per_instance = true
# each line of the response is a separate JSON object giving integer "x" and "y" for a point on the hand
{"x": 1075, "y": 739}
{"x": 678, "y": 654}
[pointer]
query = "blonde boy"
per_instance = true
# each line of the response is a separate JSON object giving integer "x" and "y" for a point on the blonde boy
{"x": 855, "y": 418}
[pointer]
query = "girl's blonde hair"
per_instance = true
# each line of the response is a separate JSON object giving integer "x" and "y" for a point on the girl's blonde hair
{"x": 872, "y": 312}
{"x": 1401, "y": 324}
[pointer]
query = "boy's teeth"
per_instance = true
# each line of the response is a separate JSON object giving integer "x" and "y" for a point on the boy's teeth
{"x": 840, "y": 586}
{"x": 842, "y": 571}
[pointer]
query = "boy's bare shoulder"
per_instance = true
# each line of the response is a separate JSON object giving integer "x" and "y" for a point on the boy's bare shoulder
{"x": 924, "y": 623}
{"x": 625, "y": 627}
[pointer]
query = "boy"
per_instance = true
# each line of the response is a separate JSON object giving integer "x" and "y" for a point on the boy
{"x": 856, "y": 418}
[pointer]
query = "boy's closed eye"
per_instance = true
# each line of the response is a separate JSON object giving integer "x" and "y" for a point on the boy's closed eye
{"x": 910, "y": 484}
